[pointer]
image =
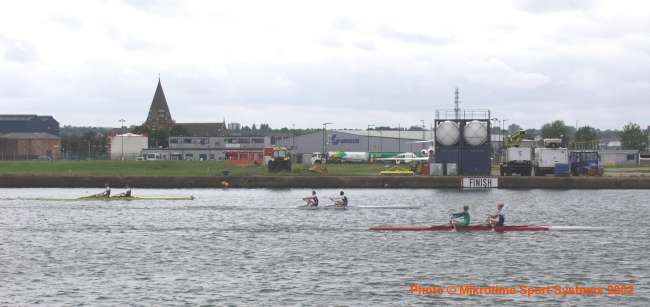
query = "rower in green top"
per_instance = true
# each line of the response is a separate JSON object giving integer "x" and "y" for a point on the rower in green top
{"x": 465, "y": 215}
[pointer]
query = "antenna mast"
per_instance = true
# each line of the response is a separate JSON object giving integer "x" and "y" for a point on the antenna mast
{"x": 457, "y": 104}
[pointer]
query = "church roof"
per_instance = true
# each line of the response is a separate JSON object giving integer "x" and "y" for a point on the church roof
{"x": 159, "y": 110}
{"x": 203, "y": 129}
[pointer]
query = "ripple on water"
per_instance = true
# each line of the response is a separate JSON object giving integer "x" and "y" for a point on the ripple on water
{"x": 250, "y": 247}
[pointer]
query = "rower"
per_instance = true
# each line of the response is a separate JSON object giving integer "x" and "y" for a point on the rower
{"x": 126, "y": 193}
{"x": 499, "y": 218}
{"x": 106, "y": 193}
{"x": 341, "y": 201}
{"x": 312, "y": 201}
{"x": 465, "y": 215}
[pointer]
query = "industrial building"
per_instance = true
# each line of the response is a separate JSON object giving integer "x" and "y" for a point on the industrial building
{"x": 28, "y": 123}
{"x": 29, "y": 136}
{"x": 614, "y": 157}
{"x": 377, "y": 142}
{"x": 29, "y": 146}
{"x": 127, "y": 146}
{"x": 248, "y": 148}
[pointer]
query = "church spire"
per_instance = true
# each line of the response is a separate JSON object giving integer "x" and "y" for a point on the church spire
{"x": 159, "y": 115}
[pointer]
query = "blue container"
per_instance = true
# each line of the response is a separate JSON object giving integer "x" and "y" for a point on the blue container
{"x": 562, "y": 169}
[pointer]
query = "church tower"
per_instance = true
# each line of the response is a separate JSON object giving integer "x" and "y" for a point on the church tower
{"x": 159, "y": 116}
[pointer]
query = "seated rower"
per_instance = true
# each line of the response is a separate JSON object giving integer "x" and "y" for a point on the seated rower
{"x": 499, "y": 218}
{"x": 341, "y": 201}
{"x": 106, "y": 193}
{"x": 464, "y": 215}
{"x": 126, "y": 193}
{"x": 312, "y": 201}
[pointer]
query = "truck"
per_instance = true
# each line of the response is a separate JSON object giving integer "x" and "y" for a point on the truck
{"x": 585, "y": 163}
{"x": 339, "y": 156}
{"x": 318, "y": 158}
{"x": 548, "y": 156}
{"x": 280, "y": 160}
{"x": 517, "y": 160}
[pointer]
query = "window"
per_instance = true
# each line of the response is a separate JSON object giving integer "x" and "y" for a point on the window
{"x": 187, "y": 141}
{"x": 173, "y": 141}
{"x": 189, "y": 156}
{"x": 630, "y": 158}
{"x": 258, "y": 141}
{"x": 211, "y": 156}
{"x": 204, "y": 141}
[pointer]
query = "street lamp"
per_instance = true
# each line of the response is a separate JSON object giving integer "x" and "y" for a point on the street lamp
{"x": 424, "y": 128}
{"x": 368, "y": 138}
{"x": 122, "y": 136}
{"x": 325, "y": 139}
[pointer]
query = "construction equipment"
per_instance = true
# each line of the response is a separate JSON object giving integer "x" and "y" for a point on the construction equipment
{"x": 517, "y": 160}
{"x": 585, "y": 163}
{"x": 280, "y": 160}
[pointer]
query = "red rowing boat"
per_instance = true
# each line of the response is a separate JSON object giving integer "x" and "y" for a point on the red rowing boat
{"x": 448, "y": 227}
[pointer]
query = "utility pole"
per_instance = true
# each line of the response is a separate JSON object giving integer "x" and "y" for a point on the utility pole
{"x": 122, "y": 136}
{"x": 325, "y": 140}
{"x": 368, "y": 138}
{"x": 399, "y": 138}
{"x": 424, "y": 128}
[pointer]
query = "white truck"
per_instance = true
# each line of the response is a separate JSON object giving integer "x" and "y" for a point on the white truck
{"x": 548, "y": 156}
{"x": 339, "y": 156}
{"x": 517, "y": 160}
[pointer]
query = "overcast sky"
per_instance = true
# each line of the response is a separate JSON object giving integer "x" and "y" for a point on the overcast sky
{"x": 302, "y": 63}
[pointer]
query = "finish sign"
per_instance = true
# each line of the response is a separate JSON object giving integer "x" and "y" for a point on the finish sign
{"x": 479, "y": 182}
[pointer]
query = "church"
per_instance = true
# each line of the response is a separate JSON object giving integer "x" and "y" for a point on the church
{"x": 160, "y": 117}
{"x": 199, "y": 141}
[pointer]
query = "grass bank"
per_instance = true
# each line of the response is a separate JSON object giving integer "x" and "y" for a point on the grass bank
{"x": 169, "y": 168}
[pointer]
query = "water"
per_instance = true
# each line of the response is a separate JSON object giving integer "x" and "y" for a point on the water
{"x": 252, "y": 247}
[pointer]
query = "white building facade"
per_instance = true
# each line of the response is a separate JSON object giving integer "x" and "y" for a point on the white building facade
{"x": 127, "y": 146}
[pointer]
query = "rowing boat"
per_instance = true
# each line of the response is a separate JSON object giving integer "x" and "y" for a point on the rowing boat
{"x": 448, "y": 227}
{"x": 129, "y": 198}
{"x": 307, "y": 207}
{"x": 118, "y": 198}
{"x": 335, "y": 207}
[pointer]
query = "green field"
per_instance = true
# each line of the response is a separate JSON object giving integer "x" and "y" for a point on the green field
{"x": 169, "y": 168}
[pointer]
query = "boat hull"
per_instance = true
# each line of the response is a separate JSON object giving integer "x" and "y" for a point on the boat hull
{"x": 463, "y": 228}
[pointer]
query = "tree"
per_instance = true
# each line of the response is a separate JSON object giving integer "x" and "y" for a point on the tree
{"x": 632, "y": 137}
{"x": 555, "y": 130}
{"x": 514, "y": 128}
{"x": 586, "y": 134}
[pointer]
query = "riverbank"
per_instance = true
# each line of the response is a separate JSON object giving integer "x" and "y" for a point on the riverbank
{"x": 282, "y": 182}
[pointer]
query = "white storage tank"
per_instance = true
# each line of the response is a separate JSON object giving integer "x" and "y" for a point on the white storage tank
{"x": 476, "y": 133}
{"x": 447, "y": 133}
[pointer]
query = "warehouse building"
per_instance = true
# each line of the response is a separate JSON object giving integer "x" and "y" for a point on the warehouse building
{"x": 28, "y": 123}
{"x": 377, "y": 142}
{"x": 29, "y": 136}
{"x": 29, "y": 146}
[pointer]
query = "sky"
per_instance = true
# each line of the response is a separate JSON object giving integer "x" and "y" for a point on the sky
{"x": 351, "y": 63}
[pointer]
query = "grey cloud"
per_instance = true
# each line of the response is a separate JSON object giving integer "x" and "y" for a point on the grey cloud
{"x": 17, "y": 51}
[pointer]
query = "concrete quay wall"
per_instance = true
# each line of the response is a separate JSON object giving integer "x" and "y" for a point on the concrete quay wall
{"x": 415, "y": 182}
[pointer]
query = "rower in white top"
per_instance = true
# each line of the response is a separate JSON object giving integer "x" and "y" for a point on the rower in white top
{"x": 126, "y": 193}
{"x": 341, "y": 201}
{"x": 497, "y": 219}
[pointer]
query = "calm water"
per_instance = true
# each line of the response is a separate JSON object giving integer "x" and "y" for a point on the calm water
{"x": 252, "y": 247}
